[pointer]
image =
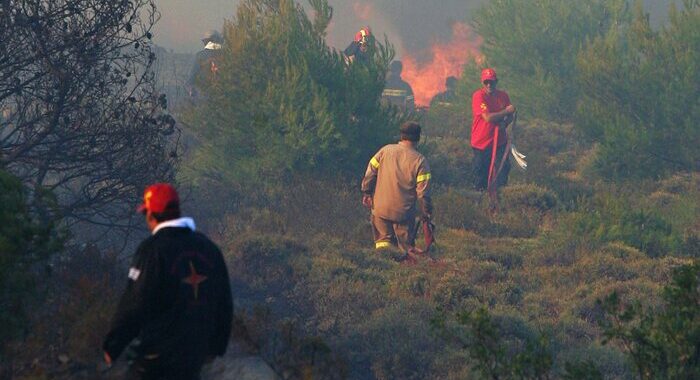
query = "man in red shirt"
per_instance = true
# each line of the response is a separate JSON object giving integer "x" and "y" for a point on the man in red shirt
{"x": 491, "y": 110}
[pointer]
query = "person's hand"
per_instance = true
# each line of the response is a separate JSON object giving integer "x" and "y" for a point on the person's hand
{"x": 367, "y": 201}
{"x": 510, "y": 109}
{"x": 108, "y": 359}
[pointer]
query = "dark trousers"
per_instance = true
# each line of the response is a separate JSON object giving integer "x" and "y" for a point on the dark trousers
{"x": 143, "y": 369}
{"x": 481, "y": 164}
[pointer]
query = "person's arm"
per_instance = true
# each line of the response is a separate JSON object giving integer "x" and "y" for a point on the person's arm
{"x": 497, "y": 117}
{"x": 423, "y": 190}
{"x": 369, "y": 182}
{"x": 350, "y": 52}
{"x": 480, "y": 108}
{"x": 133, "y": 305}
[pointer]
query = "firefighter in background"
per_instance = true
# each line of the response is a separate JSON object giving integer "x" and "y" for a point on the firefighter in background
{"x": 397, "y": 91}
{"x": 205, "y": 66}
{"x": 447, "y": 97}
{"x": 359, "y": 48}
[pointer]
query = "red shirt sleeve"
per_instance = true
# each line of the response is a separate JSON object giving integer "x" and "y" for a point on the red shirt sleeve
{"x": 506, "y": 99}
{"x": 478, "y": 104}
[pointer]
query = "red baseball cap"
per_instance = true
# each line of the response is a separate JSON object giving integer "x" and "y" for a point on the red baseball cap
{"x": 488, "y": 74}
{"x": 158, "y": 198}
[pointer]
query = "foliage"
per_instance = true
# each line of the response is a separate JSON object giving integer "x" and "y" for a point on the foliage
{"x": 524, "y": 209}
{"x": 283, "y": 102}
{"x": 449, "y": 158}
{"x": 288, "y": 351}
{"x": 662, "y": 344}
{"x": 24, "y": 241}
{"x": 608, "y": 218}
{"x": 634, "y": 80}
{"x": 80, "y": 113}
{"x": 449, "y": 120}
{"x": 491, "y": 349}
{"x": 533, "y": 46}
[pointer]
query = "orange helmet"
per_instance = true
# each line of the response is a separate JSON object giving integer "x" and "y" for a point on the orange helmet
{"x": 363, "y": 35}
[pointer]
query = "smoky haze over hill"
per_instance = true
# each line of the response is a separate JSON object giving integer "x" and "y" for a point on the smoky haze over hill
{"x": 412, "y": 25}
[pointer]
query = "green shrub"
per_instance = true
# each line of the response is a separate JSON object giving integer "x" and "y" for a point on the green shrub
{"x": 534, "y": 45}
{"x": 661, "y": 343}
{"x": 451, "y": 120}
{"x": 529, "y": 196}
{"x": 643, "y": 131}
{"x": 450, "y": 160}
{"x": 25, "y": 240}
{"x": 467, "y": 209}
{"x": 455, "y": 208}
{"x": 284, "y": 102}
{"x": 267, "y": 270}
{"x": 78, "y": 297}
{"x": 619, "y": 215}
{"x": 484, "y": 338}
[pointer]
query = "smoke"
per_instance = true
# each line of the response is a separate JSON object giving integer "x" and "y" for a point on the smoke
{"x": 409, "y": 24}
{"x": 431, "y": 38}
{"x": 363, "y": 10}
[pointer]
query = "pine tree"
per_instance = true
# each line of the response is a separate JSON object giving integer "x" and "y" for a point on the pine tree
{"x": 283, "y": 102}
{"x": 641, "y": 92}
{"x": 533, "y": 45}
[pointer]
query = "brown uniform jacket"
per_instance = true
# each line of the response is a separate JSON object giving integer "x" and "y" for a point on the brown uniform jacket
{"x": 398, "y": 176}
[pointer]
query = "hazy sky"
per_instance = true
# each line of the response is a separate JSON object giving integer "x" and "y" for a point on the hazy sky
{"x": 409, "y": 24}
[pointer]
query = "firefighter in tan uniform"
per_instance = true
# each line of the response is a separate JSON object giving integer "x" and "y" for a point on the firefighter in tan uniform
{"x": 398, "y": 178}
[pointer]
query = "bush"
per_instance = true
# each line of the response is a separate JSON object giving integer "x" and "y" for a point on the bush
{"x": 523, "y": 210}
{"x": 662, "y": 343}
{"x": 534, "y": 44}
{"x": 484, "y": 338}
{"x": 529, "y": 196}
{"x": 618, "y": 215}
{"x": 283, "y": 102}
{"x": 450, "y": 120}
{"x": 267, "y": 270}
{"x": 449, "y": 159}
{"x": 24, "y": 242}
{"x": 644, "y": 132}
{"x": 65, "y": 332}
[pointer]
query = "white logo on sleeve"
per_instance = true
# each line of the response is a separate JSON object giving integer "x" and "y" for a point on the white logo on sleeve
{"x": 134, "y": 273}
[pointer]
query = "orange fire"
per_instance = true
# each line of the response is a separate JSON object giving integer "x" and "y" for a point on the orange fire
{"x": 446, "y": 59}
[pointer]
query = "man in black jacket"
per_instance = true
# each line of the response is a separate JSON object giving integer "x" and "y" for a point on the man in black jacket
{"x": 176, "y": 311}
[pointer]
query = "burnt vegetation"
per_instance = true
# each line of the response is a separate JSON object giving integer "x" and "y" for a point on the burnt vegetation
{"x": 81, "y": 117}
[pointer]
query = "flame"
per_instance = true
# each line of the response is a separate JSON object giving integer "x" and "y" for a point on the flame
{"x": 363, "y": 11}
{"x": 446, "y": 59}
